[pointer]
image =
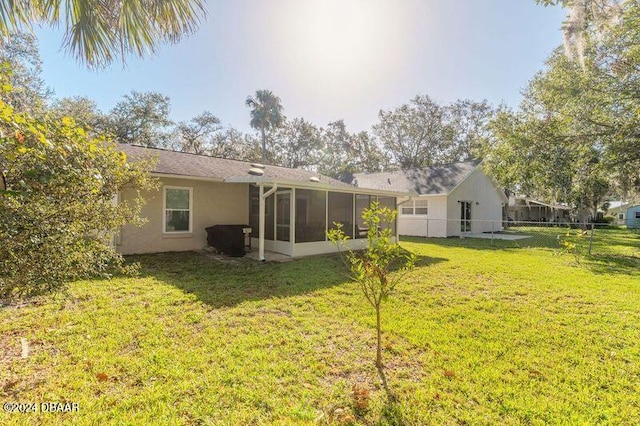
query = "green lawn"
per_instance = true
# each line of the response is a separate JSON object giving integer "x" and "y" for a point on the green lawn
{"x": 475, "y": 335}
{"x": 606, "y": 240}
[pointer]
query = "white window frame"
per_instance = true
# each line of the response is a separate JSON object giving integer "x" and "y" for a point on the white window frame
{"x": 164, "y": 209}
{"x": 412, "y": 205}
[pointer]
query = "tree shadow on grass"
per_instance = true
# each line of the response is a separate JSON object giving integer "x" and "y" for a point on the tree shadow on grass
{"x": 613, "y": 264}
{"x": 392, "y": 413}
{"x": 485, "y": 244}
{"x": 597, "y": 263}
{"x": 220, "y": 284}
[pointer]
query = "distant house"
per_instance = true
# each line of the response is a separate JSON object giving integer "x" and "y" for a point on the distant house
{"x": 525, "y": 209}
{"x": 633, "y": 217}
{"x": 441, "y": 201}
{"x": 288, "y": 210}
{"x": 618, "y": 210}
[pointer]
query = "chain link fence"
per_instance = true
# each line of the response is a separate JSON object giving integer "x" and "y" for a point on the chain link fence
{"x": 588, "y": 238}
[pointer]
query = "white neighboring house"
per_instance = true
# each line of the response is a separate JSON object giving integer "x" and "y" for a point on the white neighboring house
{"x": 618, "y": 209}
{"x": 442, "y": 201}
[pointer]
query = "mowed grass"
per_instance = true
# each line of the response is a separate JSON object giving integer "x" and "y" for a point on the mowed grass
{"x": 605, "y": 241}
{"x": 474, "y": 335}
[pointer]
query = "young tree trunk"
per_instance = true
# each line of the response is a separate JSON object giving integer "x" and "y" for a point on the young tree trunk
{"x": 379, "y": 341}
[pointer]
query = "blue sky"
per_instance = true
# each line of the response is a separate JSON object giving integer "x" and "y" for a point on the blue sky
{"x": 329, "y": 59}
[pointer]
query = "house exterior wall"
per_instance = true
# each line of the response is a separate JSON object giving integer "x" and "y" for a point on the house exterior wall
{"x": 213, "y": 203}
{"x": 632, "y": 220}
{"x": 486, "y": 205}
{"x": 616, "y": 212}
{"x": 538, "y": 213}
{"x": 521, "y": 211}
{"x": 434, "y": 224}
{"x": 534, "y": 212}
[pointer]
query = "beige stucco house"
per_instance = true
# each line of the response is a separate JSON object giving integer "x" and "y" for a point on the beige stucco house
{"x": 443, "y": 201}
{"x": 288, "y": 210}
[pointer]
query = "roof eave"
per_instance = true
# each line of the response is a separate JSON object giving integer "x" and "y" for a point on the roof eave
{"x": 440, "y": 194}
{"x": 189, "y": 177}
{"x": 312, "y": 185}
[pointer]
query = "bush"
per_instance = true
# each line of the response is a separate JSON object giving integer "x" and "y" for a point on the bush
{"x": 606, "y": 219}
{"x": 57, "y": 210}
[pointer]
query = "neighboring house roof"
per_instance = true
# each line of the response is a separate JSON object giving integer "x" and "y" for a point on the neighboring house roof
{"x": 526, "y": 202}
{"x": 618, "y": 206}
{"x": 187, "y": 165}
{"x": 433, "y": 180}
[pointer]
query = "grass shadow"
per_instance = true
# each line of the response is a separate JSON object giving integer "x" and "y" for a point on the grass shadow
{"x": 392, "y": 413}
{"x": 422, "y": 261}
{"x": 610, "y": 253}
{"x": 612, "y": 264}
{"x": 481, "y": 243}
{"x": 221, "y": 284}
{"x": 605, "y": 242}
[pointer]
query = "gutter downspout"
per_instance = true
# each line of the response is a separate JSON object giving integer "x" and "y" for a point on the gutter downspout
{"x": 398, "y": 217}
{"x": 263, "y": 197}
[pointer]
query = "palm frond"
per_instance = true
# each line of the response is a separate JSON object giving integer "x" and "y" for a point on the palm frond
{"x": 98, "y": 31}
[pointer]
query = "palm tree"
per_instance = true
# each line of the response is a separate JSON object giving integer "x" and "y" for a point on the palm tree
{"x": 266, "y": 114}
{"x": 98, "y": 31}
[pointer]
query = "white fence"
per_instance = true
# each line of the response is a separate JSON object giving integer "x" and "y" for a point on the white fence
{"x": 505, "y": 233}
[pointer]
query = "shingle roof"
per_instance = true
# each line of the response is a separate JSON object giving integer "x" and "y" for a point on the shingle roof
{"x": 616, "y": 204}
{"x": 183, "y": 164}
{"x": 433, "y": 180}
{"x": 527, "y": 201}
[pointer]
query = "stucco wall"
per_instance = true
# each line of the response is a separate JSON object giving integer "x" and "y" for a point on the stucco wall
{"x": 617, "y": 211}
{"x": 632, "y": 222}
{"x": 486, "y": 204}
{"x": 433, "y": 225}
{"x": 213, "y": 204}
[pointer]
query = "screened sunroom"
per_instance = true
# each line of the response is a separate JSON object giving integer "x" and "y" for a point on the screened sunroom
{"x": 296, "y": 220}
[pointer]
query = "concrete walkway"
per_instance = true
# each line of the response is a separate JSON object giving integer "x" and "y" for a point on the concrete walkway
{"x": 270, "y": 256}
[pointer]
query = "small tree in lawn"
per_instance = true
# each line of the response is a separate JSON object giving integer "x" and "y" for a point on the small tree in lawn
{"x": 380, "y": 266}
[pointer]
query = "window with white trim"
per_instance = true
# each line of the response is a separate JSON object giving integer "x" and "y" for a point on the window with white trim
{"x": 178, "y": 209}
{"x": 620, "y": 215}
{"x": 415, "y": 208}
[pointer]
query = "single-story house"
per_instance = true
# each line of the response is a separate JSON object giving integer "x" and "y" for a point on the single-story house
{"x": 618, "y": 210}
{"x": 525, "y": 209}
{"x": 633, "y": 217}
{"x": 443, "y": 201}
{"x": 288, "y": 210}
